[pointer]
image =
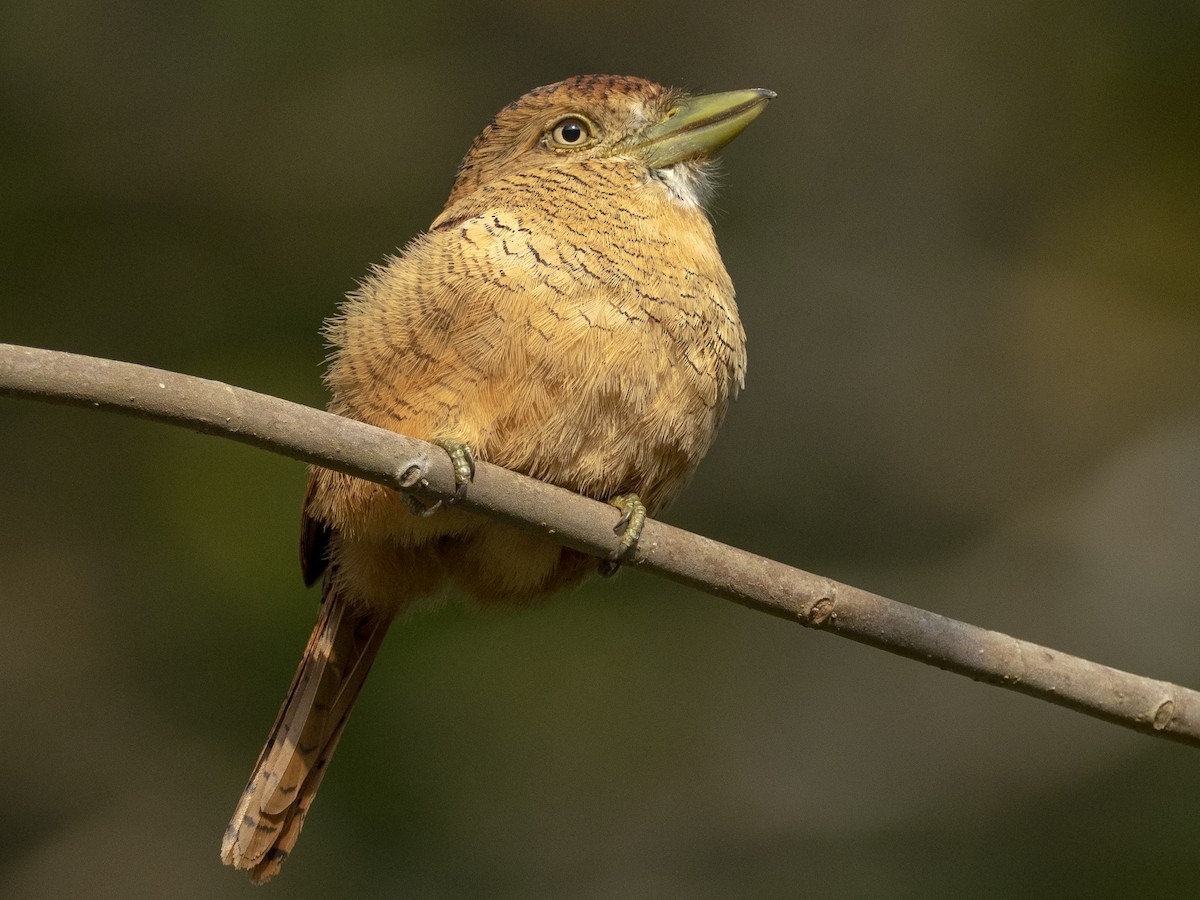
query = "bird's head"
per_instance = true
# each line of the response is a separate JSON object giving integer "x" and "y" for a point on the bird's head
{"x": 610, "y": 116}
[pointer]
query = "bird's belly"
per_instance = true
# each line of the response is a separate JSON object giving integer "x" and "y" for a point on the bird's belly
{"x": 609, "y": 409}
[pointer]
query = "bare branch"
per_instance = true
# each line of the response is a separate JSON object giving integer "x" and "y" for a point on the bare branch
{"x": 1143, "y": 704}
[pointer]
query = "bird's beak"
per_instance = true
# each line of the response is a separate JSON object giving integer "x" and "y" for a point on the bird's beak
{"x": 699, "y": 126}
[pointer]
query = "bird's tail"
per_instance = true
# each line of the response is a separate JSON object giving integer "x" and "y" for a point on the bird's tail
{"x": 289, "y": 770}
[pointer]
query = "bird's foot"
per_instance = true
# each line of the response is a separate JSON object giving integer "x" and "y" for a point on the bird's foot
{"x": 463, "y": 461}
{"x": 629, "y": 527}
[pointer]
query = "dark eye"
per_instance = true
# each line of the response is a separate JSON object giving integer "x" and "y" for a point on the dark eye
{"x": 572, "y": 132}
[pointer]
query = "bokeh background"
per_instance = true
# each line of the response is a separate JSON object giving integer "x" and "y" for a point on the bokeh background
{"x": 966, "y": 239}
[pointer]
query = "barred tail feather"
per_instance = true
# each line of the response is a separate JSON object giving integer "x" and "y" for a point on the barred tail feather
{"x": 289, "y": 770}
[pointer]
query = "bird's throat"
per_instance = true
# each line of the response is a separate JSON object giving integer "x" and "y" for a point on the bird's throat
{"x": 690, "y": 183}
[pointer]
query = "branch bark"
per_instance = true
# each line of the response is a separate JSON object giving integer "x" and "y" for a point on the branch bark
{"x": 1143, "y": 704}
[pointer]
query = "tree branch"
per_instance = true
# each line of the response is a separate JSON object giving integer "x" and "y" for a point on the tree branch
{"x": 1143, "y": 704}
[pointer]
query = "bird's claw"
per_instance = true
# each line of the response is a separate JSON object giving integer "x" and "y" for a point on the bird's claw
{"x": 629, "y": 527}
{"x": 463, "y": 461}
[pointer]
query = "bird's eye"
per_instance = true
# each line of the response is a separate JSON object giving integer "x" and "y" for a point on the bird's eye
{"x": 571, "y": 133}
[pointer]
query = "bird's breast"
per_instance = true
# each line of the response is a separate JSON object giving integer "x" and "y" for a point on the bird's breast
{"x": 624, "y": 343}
{"x": 575, "y": 324}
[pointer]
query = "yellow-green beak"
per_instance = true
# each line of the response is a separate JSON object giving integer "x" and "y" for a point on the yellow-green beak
{"x": 700, "y": 126}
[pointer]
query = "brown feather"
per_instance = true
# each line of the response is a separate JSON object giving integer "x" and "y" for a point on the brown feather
{"x": 289, "y": 770}
{"x": 314, "y": 539}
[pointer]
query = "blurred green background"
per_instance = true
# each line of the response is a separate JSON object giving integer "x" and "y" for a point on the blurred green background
{"x": 966, "y": 239}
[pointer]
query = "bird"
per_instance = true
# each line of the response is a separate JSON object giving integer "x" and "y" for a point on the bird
{"x": 567, "y": 316}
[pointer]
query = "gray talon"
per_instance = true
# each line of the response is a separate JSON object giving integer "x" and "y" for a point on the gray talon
{"x": 417, "y": 508}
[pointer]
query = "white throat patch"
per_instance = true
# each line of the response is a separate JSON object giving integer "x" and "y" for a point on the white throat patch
{"x": 688, "y": 182}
